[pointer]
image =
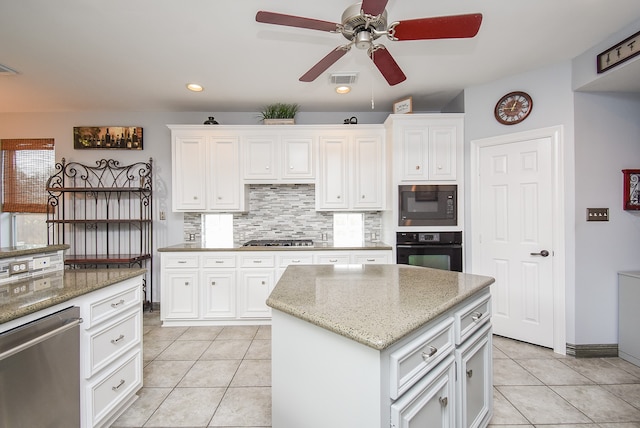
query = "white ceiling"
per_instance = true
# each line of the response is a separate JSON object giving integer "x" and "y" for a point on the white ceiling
{"x": 138, "y": 55}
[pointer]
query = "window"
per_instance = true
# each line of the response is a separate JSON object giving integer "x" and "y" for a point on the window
{"x": 348, "y": 229}
{"x": 218, "y": 230}
{"x": 27, "y": 164}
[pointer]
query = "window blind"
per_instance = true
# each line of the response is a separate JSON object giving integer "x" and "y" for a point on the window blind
{"x": 27, "y": 164}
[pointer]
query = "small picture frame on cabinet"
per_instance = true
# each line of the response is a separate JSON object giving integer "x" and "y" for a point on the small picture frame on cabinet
{"x": 403, "y": 106}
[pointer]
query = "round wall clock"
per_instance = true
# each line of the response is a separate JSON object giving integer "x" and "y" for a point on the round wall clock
{"x": 513, "y": 108}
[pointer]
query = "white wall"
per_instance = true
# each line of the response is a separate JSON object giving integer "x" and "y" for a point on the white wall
{"x": 550, "y": 89}
{"x": 156, "y": 145}
{"x": 607, "y": 141}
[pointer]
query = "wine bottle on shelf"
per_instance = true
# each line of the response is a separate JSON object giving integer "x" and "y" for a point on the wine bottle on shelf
{"x": 107, "y": 138}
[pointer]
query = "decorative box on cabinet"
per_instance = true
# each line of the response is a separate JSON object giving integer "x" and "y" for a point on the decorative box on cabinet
{"x": 351, "y": 172}
{"x": 205, "y": 170}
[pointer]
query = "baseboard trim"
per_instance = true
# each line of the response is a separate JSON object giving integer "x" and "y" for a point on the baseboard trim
{"x": 592, "y": 351}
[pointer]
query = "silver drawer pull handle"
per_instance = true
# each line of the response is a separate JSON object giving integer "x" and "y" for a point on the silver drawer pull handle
{"x": 115, "y": 341}
{"x": 182, "y": 262}
{"x": 443, "y": 401}
{"x": 469, "y": 373}
{"x": 219, "y": 261}
{"x": 295, "y": 261}
{"x": 115, "y": 388}
{"x": 432, "y": 352}
{"x": 371, "y": 260}
{"x": 257, "y": 261}
{"x": 333, "y": 260}
{"x": 115, "y": 305}
{"x": 476, "y": 316}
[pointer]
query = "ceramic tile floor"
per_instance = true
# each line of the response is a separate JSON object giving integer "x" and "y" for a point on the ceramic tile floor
{"x": 220, "y": 377}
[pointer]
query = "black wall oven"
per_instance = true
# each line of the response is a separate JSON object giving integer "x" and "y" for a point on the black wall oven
{"x": 439, "y": 250}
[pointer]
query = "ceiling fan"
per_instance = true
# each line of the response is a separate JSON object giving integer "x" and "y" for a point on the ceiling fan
{"x": 364, "y": 22}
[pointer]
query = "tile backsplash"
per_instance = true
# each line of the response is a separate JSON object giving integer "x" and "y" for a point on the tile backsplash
{"x": 283, "y": 211}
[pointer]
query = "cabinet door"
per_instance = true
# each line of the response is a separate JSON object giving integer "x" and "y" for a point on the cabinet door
{"x": 331, "y": 190}
{"x": 179, "y": 295}
{"x": 297, "y": 159}
{"x": 431, "y": 401}
{"x": 260, "y": 158}
{"x": 189, "y": 169}
{"x": 219, "y": 294}
{"x": 254, "y": 288}
{"x": 442, "y": 152}
{"x": 475, "y": 379}
{"x": 415, "y": 151}
{"x": 225, "y": 189}
{"x": 368, "y": 173}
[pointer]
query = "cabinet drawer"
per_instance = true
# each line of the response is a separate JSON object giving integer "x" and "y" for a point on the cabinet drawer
{"x": 113, "y": 305}
{"x": 471, "y": 317}
{"x": 416, "y": 358}
{"x": 107, "y": 344}
{"x": 219, "y": 261}
{"x": 257, "y": 261}
{"x": 107, "y": 392}
{"x": 370, "y": 259}
{"x": 332, "y": 259}
{"x": 180, "y": 261}
{"x": 295, "y": 259}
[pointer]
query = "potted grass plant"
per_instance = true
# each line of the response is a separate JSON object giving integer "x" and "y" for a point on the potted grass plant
{"x": 279, "y": 114}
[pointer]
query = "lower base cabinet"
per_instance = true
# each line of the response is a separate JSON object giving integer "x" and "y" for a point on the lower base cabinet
{"x": 231, "y": 287}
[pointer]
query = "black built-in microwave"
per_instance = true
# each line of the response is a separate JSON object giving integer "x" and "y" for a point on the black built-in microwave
{"x": 428, "y": 205}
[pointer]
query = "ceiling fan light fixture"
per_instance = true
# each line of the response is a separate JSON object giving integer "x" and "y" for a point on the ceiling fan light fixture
{"x": 343, "y": 89}
{"x": 194, "y": 87}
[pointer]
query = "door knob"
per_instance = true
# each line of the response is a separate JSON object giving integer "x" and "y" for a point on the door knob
{"x": 543, "y": 253}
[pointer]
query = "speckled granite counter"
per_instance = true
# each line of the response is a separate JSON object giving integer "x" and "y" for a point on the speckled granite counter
{"x": 24, "y": 250}
{"x": 25, "y": 297}
{"x": 199, "y": 246}
{"x": 375, "y": 305}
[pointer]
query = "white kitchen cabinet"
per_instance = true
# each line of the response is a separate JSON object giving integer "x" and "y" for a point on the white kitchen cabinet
{"x": 371, "y": 257}
{"x": 427, "y": 147}
{"x": 180, "y": 290}
{"x": 351, "y": 171}
{"x": 475, "y": 379}
{"x": 331, "y": 258}
{"x": 256, "y": 280}
{"x": 430, "y": 403}
{"x": 218, "y": 294}
{"x": 205, "y": 171}
{"x": 279, "y": 157}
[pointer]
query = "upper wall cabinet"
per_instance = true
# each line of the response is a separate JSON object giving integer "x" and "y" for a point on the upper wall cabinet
{"x": 427, "y": 147}
{"x": 351, "y": 170}
{"x": 279, "y": 156}
{"x": 205, "y": 173}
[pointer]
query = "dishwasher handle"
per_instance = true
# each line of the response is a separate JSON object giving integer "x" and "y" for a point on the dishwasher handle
{"x": 21, "y": 347}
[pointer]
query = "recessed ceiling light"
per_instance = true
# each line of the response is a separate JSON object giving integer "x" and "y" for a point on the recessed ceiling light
{"x": 194, "y": 87}
{"x": 343, "y": 89}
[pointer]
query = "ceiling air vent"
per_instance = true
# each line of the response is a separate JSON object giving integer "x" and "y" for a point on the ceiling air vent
{"x": 343, "y": 78}
{"x": 6, "y": 70}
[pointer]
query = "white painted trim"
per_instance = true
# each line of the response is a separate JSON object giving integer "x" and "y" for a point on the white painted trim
{"x": 556, "y": 133}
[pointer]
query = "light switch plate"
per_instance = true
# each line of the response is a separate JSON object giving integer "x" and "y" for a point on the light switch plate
{"x": 597, "y": 214}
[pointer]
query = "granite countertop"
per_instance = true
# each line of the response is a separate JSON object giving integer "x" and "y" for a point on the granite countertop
{"x": 24, "y": 250}
{"x": 375, "y": 305}
{"x": 200, "y": 246}
{"x": 22, "y": 298}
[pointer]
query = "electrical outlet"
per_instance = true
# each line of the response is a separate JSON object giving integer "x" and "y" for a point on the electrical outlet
{"x": 18, "y": 267}
{"x": 163, "y": 215}
{"x": 597, "y": 214}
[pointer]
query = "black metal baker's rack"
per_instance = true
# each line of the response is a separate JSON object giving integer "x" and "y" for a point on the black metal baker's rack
{"x": 105, "y": 214}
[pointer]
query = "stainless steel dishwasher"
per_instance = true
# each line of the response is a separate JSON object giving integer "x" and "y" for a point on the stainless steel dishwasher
{"x": 40, "y": 372}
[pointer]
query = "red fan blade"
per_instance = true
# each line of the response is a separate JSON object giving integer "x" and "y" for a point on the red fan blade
{"x": 295, "y": 21}
{"x": 324, "y": 64}
{"x": 443, "y": 27}
{"x": 387, "y": 66}
{"x": 373, "y": 7}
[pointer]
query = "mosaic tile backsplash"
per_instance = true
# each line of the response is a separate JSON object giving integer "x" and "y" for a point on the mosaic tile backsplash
{"x": 283, "y": 211}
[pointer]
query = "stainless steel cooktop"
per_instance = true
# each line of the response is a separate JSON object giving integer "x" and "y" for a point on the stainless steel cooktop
{"x": 279, "y": 243}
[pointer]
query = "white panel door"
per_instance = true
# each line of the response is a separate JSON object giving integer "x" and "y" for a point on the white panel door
{"x": 515, "y": 237}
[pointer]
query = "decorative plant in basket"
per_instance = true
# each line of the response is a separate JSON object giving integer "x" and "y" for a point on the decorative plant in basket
{"x": 279, "y": 113}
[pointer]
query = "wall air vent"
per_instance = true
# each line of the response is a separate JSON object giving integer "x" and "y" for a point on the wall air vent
{"x": 4, "y": 71}
{"x": 343, "y": 78}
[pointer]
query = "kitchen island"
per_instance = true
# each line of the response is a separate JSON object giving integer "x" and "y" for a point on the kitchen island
{"x": 369, "y": 345}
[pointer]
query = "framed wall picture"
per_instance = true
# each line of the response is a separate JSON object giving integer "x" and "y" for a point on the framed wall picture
{"x": 107, "y": 137}
{"x": 403, "y": 106}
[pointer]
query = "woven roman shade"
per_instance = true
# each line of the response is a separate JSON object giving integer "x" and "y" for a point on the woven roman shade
{"x": 26, "y": 167}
